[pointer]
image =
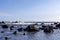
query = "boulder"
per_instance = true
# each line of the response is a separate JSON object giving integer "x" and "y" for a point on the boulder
{"x": 12, "y": 27}
{"x": 4, "y": 26}
{"x": 48, "y": 29}
{"x": 31, "y": 28}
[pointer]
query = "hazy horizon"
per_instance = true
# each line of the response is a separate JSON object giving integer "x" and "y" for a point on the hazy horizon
{"x": 29, "y": 10}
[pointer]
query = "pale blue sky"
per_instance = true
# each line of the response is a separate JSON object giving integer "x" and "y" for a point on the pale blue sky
{"x": 30, "y": 10}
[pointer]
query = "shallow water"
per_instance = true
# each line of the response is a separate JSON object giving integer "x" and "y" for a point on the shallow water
{"x": 30, "y": 35}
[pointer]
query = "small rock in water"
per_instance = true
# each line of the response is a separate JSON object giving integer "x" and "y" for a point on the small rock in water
{"x": 23, "y": 33}
{"x": 19, "y": 29}
{"x": 2, "y": 31}
{"x": 6, "y": 38}
{"x": 11, "y": 28}
{"x": 15, "y": 33}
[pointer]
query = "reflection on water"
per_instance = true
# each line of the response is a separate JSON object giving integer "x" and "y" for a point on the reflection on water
{"x": 40, "y": 35}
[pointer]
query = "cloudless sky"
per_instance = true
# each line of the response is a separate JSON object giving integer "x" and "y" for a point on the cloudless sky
{"x": 30, "y": 10}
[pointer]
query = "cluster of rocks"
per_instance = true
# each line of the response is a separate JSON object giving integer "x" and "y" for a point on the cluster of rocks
{"x": 32, "y": 28}
{"x": 47, "y": 28}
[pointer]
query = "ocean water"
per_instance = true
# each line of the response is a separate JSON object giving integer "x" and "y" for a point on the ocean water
{"x": 40, "y": 35}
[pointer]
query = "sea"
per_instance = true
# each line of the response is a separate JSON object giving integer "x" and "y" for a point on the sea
{"x": 40, "y": 35}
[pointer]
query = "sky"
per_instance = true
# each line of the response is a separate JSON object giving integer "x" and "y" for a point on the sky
{"x": 30, "y": 10}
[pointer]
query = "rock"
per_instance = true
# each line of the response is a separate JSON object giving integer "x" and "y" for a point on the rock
{"x": 55, "y": 23}
{"x": 42, "y": 23}
{"x": 4, "y": 26}
{"x": 2, "y": 31}
{"x": 23, "y": 33}
{"x": 58, "y": 25}
{"x": 15, "y": 33}
{"x": 55, "y": 27}
{"x": 20, "y": 29}
{"x": 43, "y": 26}
{"x": 6, "y": 38}
{"x": 48, "y": 29}
{"x": 31, "y": 28}
{"x": 12, "y": 27}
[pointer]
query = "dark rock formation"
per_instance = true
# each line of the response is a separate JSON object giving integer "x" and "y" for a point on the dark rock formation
{"x": 6, "y": 38}
{"x": 42, "y": 23}
{"x": 15, "y": 33}
{"x": 48, "y": 29}
{"x": 20, "y": 29}
{"x": 4, "y": 26}
{"x": 11, "y": 28}
{"x": 58, "y": 25}
{"x": 55, "y": 23}
{"x": 23, "y": 33}
{"x": 55, "y": 27}
{"x": 43, "y": 26}
{"x": 31, "y": 28}
{"x": 2, "y": 31}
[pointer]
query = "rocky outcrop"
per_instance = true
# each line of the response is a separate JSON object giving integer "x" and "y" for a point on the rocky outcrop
{"x": 31, "y": 28}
